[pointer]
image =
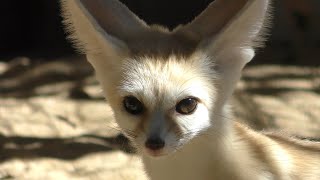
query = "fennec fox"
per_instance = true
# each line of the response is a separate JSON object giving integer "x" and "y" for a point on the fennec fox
{"x": 170, "y": 90}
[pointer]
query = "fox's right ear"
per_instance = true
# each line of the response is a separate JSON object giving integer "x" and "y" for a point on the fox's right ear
{"x": 101, "y": 26}
{"x": 230, "y": 30}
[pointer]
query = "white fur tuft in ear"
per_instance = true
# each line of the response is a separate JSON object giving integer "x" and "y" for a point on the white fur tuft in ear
{"x": 248, "y": 54}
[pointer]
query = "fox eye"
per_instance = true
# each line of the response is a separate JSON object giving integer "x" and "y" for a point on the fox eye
{"x": 187, "y": 106}
{"x": 132, "y": 105}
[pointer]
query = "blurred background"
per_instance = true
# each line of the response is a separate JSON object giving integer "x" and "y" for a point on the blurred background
{"x": 55, "y": 122}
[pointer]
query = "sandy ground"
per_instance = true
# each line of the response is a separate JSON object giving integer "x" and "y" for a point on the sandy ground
{"x": 55, "y": 124}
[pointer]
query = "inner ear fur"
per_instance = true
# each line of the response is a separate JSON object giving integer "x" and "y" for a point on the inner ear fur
{"x": 213, "y": 18}
{"x": 115, "y": 18}
{"x": 97, "y": 26}
{"x": 229, "y": 25}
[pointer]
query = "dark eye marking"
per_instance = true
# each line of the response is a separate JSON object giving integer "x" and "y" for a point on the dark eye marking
{"x": 132, "y": 105}
{"x": 187, "y": 106}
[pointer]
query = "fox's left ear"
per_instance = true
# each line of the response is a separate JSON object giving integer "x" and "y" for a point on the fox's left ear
{"x": 102, "y": 29}
{"x": 229, "y": 30}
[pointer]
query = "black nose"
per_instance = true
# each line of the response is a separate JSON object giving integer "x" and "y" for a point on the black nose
{"x": 154, "y": 143}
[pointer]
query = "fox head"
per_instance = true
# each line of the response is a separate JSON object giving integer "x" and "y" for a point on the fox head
{"x": 167, "y": 87}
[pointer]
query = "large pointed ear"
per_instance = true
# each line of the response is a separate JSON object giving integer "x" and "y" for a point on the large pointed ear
{"x": 230, "y": 30}
{"x": 100, "y": 26}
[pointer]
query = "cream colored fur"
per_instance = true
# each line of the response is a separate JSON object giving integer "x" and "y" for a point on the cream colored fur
{"x": 202, "y": 59}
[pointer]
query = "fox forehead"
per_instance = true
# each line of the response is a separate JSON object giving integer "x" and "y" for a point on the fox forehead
{"x": 158, "y": 81}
